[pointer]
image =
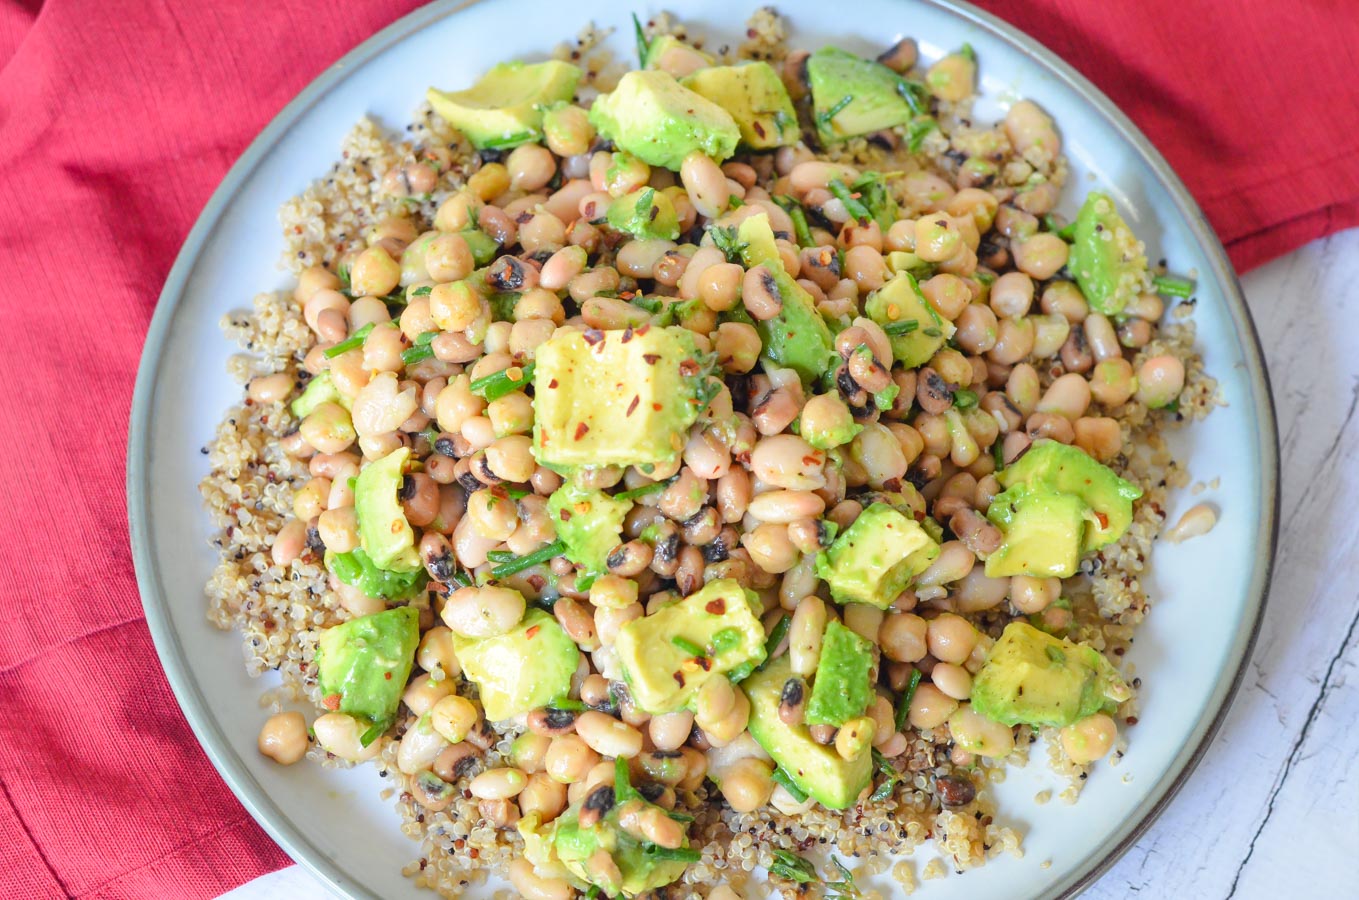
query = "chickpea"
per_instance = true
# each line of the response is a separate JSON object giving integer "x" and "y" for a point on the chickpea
{"x": 1160, "y": 380}
{"x": 977, "y": 734}
{"x": 1099, "y": 436}
{"x": 374, "y": 273}
{"x": 1041, "y": 255}
{"x": 930, "y": 707}
{"x": 284, "y": 738}
{"x": 951, "y": 638}
{"x": 530, "y": 166}
{"x": 747, "y": 785}
{"x": 936, "y": 238}
{"x": 903, "y": 637}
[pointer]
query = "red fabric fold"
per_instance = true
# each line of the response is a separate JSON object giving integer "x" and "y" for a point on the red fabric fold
{"x": 117, "y": 120}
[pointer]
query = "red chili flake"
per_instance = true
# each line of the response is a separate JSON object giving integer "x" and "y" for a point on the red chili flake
{"x": 593, "y": 336}
{"x": 679, "y": 678}
{"x": 1131, "y": 720}
{"x": 656, "y": 406}
{"x": 387, "y": 675}
{"x": 552, "y": 383}
{"x": 566, "y": 515}
{"x": 643, "y": 328}
{"x": 810, "y": 460}
{"x": 1103, "y": 519}
{"x": 759, "y": 129}
{"x": 536, "y": 582}
{"x": 651, "y": 358}
{"x": 689, "y": 368}
{"x": 704, "y": 663}
{"x": 581, "y": 429}
{"x": 627, "y": 334}
{"x": 655, "y": 211}
{"x": 331, "y": 701}
{"x": 636, "y": 398}
{"x": 716, "y": 607}
{"x": 532, "y": 632}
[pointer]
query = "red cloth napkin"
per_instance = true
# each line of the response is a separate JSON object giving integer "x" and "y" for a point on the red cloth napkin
{"x": 117, "y": 120}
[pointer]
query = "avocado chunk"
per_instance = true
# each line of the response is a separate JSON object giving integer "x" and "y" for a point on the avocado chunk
{"x": 1043, "y": 533}
{"x": 504, "y": 109}
{"x": 1069, "y": 470}
{"x": 1107, "y": 260}
{"x": 755, "y": 97}
{"x": 564, "y": 847}
{"x": 362, "y": 666}
{"x": 831, "y": 780}
{"x": 319, "y": 390}
{"x": 526, "y": 667}
{"x": 646, "y": 214}
{"x": 852, "y": 95}
{"x": 621, "y": 398}
{"x": 356, "y": 569}
{"x": 658, "y": 120}
{"x": 798, "y": 338}
{"x": 657, "y": 655}
{"x": 1033, "y": 678}
{"x": 670, "y": 54}
{"x": 912, "y": 325}
{"x": 589, "y": 522}
{"x": 384, "y": 533}
{"x": 843, "y": 685}
{"x": 875, "y": 558}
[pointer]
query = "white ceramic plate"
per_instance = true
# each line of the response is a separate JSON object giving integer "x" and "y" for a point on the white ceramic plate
{"x": 1208, "y": 593}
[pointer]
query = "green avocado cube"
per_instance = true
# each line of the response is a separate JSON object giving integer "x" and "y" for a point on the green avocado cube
{"x": 875, "y": 558}
{"x": 384, "y": 533}
{"x": 504, "y": 108}
{"x": 319, "y": 390}
{"x": 1060, "y": 467}
{"x": 852, "y": 95}
{"x": 616, "y": 398}
{"x": 362, "y": 665}
{"x": 657, "y": 651}
{"x": 589, "y": 522}
{"x": 526, "y": 667}
{"x": 755, "y": 97}
{"x": 830, "y": 779}
{"x": 1033, "y": 678}
{"x": 913, "y": 327}
{"x": 659, "y": 121}
{"x": 646, "y": 214}
{"x": 1107, "y": 259}
{"x": 670, "y": 54}
{"x": 843, "y": 684}
{"x": 1043, "y": 533}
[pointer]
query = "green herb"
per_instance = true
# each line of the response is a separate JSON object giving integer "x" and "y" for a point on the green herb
{"x": 1065, "y": 232}
{"x": 932, "y": 331}
{"x": 724, "y": 640}
{"x": 537, "y": 557}
{"x": 735, "y": 202}
{"x": 884, "y": 398}
{"x": 682, "y": 854}
{"x": 782, "y": 120}
{"x": 568, "y": 704}
{"x": 593, "y": 893}
{"x": 623, "y": 791}
{"x": 643, "y": 45}
{"x": 791, "y": 867}
{"x": 998, "y": 452}
{"x": 966, "y": 52}
{"x": 917, "y": 131}
{"x": 422, "y": 291}
{"x": 352, "y": 342}
{"x": 915, "y": 94}
{"x": 1173, "y": 286}
{"x": 853, "y": 205}
{"x": 964, "y": 399}
{"x": 845, "y": 888}
{"x": 882, "y": 206}
{"x": 775, "y": 638}
{"x": 904, "y": 704}
{"x": 801, "y": 230}
{"x": 462, "y": 579}
{"x": 507, "y": 141}
{"x": 679, "y": 816}
{"x": 825, "y": 117}
{"x": 421, "y": 350}
{"x": 905, "y": 326}
{"x": 342, "y": 273}
{"x": 585, "y": 582}
{"x": 890, "y": 777}
{"x": 985, "y": 277}
{"x": 644, "y": 202}
{"x": 500, "y": 384}
{"x": 687, "y": 646}
{"x": 654, "y": 487}
{"x": 648, "y": 304}
{"x": 517, "y": 493}
{"x": 782, "y": 777}
{"x": 501, "y": 556}
{"x": 724, "y": 239}
{"x": 1172, "y": 406}
{"x": 741, "y": 672}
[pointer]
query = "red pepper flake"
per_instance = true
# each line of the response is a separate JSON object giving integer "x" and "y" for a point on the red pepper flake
{"x": 811, "y": 461}
{"x": 552, "y": 383}
{"x": 679, "y": 678}
{"x": 759, "y": 129}
{"x": 533, "y": 632}
{"x": 331, "y": 701}
{"x": 593, "y": 336}
{"x": 387, "y": 675}
{"x": 643, "y": 328}
{"x": 1131, "y": 720}
{"x": 1103, "y": 519}
{"x": 536, "y": 582}
{"x": 627, "y": 334}
{"x": 636, "y": 398}
{"x": 581, "y": 430}
{"x": 656, "y": 406}
{"x": 651, "y": 358}
{"x": 716, "y": 607}
{"x": 566, "y": 515}
{"x": 627, "y": 295}
{"x": 704, "y": 663}
{"x": 689, "y": 368}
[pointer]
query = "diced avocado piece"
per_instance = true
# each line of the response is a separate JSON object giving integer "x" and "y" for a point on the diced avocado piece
{"x": 646, "y": 214}
{"x": 384, "y": 533}
{"x": 1043, "y": 530}
{"x": 504, "y": 108}
{"x": 656, "y": 653}
{"x": 564, "y": 847}
{"x": 755, "y": 97}
{"x": 1032, "y": 678}
{"x": 843, "y": 685}
{"x": 319, "y": 390}
{"x": 831, "y": 780}
{"x": 852, "y": 95}
{"x": 589, "y": 522}
{"x": 670, "y": 54}
{"x": 484, "y": 247}
{"x": 616, "y": 398}
{"x": 912, "y": 325}
{"x": 658, "y": 120}
{"x": 362, "y": 665}
{"x": 356, "y": 569}
{"x": 798, "y": 338}
{"x": 1107, "y": 260}
{"x": 1069, "y": 470}
{"x": 526, "y": 667}
{"x": 875, "y": 558}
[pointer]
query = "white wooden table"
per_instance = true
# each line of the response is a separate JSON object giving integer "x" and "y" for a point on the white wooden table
{"x": 1273, "y": 809}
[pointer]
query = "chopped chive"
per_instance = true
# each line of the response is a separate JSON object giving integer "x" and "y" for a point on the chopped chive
{"x": 687, "y": 646}
{"x": 740, "y": 673}
{"x": 801, "y": 230}
{"x": 775, "y": 638}
{"x": 422, "y": 291}
{"x": 964, "y": 399}
{"x": 643, "y": 45}
{"x": 679, "y": 816}
{"x": 527, "y": 562}
{"x": 724, "y": 640}
{"x": 642, "y": 491}
{"x": 623, "y": 791}
{"x": 1065, "y": 232}
{"x": 932, "y": 332}
{"x": 834, "y": 111}
{"x": 501, "y": 384}
{"x": 352, "y": 342}
{"x": 917, "y": 131}
{"x": 905, "y": 326}
{"x": 517, "y": 493}
{"x": 783, "y": 778}
{"x": 585, "y": 582}
{"x": 853, "y": 204}
{"x": 904, "y": 707}
{"x": 791, "y": 867}
{"x": 568, "y": 704}
{"x": 500, "y": 556}
{"x": 1173, "y": 286}
{"x": 967, "y": 52}
{"x": 421, "y": 350}
{"x": 913, "y": 92}
{"x": 681, "y": 854}
{"x": 462, "y": 579}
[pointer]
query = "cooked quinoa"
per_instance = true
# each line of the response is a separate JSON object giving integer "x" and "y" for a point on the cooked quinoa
{"x": 271, "y": 486}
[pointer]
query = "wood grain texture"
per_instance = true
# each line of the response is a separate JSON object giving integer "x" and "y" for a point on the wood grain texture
{"x": 1273, "y": 809}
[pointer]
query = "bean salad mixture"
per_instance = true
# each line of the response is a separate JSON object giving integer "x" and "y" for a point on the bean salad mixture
{"x": 702, "y": 474}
